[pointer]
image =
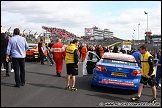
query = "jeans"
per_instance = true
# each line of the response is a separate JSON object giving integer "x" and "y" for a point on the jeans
{"x": 19, "y": 70}
{"x": 158, "y": 76}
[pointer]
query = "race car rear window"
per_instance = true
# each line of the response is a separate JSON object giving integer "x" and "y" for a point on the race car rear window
{"x": 113, "y": 61}
{"x": 32, "y": 46}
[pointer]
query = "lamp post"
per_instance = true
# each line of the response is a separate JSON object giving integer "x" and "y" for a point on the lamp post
{"x": 133, "y": 36}
{"x": 138, "y": 32}
{"x": 147, "y": 27}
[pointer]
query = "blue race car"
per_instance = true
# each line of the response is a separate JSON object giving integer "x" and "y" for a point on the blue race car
{"x": 113, "y": 70}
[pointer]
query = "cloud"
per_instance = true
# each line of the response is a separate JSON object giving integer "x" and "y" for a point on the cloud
{"x": 74, "y": 16}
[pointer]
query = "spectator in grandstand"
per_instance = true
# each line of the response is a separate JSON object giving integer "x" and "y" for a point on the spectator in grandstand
{"x": 59, "y": 55}
{"x": 158, "y": 70}
{"x": 17, "y": 46}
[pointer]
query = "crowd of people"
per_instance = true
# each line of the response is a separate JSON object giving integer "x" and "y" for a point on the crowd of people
{"x": 14, "y": 50}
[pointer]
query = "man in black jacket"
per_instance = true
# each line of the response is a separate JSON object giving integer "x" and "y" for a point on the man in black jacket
{"x": 41, "y": 55}
{"x": 4, "y": 43}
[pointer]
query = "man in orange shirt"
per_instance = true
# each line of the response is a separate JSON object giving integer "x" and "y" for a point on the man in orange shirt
{"x": 101, "y": 50}
{"x": 59, "y": 54}
{"x": 84, "y": 51}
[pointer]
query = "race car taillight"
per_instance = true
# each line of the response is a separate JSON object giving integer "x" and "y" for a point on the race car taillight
{"x": 101, "y": 68}
{"x": 136, "y": 73}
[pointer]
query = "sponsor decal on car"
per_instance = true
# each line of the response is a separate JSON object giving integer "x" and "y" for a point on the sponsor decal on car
{"x": 112, "y": 56}
{"x": 115, "y": 82}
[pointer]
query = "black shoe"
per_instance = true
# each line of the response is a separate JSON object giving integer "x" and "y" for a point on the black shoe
{"x": 153, "y": 100}
{"x": 42, "y": 63}
{"x": 7, "y": 75}
{"x": 58, "y": 74}
{"x": 136, "y": 99}
{"x": 22, "y": 84}
{"x": 17, "y": 86}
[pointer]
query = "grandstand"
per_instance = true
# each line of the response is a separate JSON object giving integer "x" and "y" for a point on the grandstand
{"x": 66, "y": 36}
{"x": 62, "y": 33}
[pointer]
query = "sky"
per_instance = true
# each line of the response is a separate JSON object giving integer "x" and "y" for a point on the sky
{"x": 126, "y": 19}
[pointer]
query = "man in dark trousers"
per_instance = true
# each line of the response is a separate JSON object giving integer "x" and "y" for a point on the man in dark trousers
{"x": 41, "y": 55}
{"x": 4, "y": 42}
{"x": 17, "y": 46}
{"x": 50, "y": 46}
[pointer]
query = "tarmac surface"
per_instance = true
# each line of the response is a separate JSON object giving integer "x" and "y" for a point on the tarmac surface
{"x": 44, "y": 89}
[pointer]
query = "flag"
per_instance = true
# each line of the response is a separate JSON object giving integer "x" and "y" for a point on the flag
{"x": 145, "y": 12}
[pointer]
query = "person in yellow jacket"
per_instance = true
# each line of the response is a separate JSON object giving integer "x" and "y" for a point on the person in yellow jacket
{"x": 71, "y": 59}
{"x": 147, "y": 75}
